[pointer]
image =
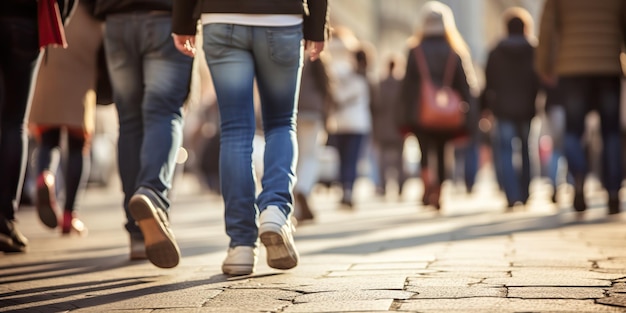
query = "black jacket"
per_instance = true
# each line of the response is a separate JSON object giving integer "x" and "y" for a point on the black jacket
{"x": 436, "y": 51}
{"x": 106, "y": 7}
{"x": 187, "y": 12}
{"x": 28, "y": 8}
{"x": 511, "y": 83}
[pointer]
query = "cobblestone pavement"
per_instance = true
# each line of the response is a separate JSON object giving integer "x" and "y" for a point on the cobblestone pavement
{"x": 389, "y": 254}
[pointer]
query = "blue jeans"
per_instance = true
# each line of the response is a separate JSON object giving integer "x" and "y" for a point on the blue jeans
{"x": 515, "y": 182}
{"x": 150, "y": 80}
{"x": 237, "y": 55}
{"x": 466, "y": 161}
{"x": 350, "y": 147}
{"x": 19, "y": 53}
{"x": 581, "y": 95}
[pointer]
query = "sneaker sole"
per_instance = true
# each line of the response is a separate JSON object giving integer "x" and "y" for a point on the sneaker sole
{"x": 161, "y": 249}
{"x": 46, "y": 213}
{"x": 237, "y": 269}
{"x": 279, "y": 255}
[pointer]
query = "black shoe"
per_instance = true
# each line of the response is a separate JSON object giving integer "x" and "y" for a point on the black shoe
{"x": 614, "y": 205}
{"x": 11, "y": 239}
{"x": 579, "y": 201}
{"x": 302, "y": 210}
{"x": 161, "y": 247}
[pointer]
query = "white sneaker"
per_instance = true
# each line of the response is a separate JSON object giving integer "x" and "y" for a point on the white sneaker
{"x": 275, "y": 231}
{"x": 240, "y": 261}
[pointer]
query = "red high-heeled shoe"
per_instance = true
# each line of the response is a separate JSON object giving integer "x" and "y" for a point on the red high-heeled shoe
{"x": 72, "y": 224}
{"x": 46, "y": 200}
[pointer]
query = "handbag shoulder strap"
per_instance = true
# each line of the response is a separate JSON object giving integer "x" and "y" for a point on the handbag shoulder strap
{"x": 448, "y": 75}
{"x": 422, "y": 66}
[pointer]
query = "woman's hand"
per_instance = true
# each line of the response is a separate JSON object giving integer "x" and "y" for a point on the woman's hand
{"x": 186, "y": 44}
{"x": 315, "y": 48}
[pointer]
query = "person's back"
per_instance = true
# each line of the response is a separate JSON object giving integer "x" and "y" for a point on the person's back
{"x": 511, "y": 80}
{"x": 579, "y": 53}
{"x": 589, "y": 35}
{"x": 511, "y": 86}
{"x": 385, "y": 107}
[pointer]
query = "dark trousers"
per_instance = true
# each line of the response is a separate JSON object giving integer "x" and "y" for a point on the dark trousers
{"x": 19, "y": 53}
{"x": 581, "y": 95}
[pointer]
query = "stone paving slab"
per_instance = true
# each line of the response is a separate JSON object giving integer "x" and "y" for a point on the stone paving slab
{"x": 385, "y": 256}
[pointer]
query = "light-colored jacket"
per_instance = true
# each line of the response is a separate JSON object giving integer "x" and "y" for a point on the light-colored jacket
{"x": 351, "y": 93}
{"x": 65, "y": 85}
{"x": 581, "y": 37}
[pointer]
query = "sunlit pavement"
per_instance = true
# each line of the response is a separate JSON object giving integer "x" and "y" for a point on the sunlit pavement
{"x": 388, "y": 254}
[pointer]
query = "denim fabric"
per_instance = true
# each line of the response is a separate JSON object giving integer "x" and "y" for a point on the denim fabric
{"x": 350, "y": 148}
{"x": 557, "y": 166}
{"x": 150, "y": 79}
{"x": 238, "y": 56}
{"x": 19, "y": 53}
{"x": 466, "y": 162}
{"x": 581, "y": 95}
{"x": 515, "y": 181}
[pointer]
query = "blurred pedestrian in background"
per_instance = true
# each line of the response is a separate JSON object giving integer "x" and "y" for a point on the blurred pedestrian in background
{"x": 247, "y": 42}
{"x": 64, "y": 103}
{"x": 25, "y": 28}
{"x": 350, "y": 123}
{"x": 314, "y": 104}
{"x": 579, "y": 48}
{"x": 151, "y": 81}
{"x": 553, "y": 141}
{"x": 511, "y": 87}
{"x": 439, "y": 40}
{"x": 388, "y": 140}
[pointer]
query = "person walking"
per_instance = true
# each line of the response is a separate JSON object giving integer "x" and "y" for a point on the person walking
{"x": 439, "y": 41}
{"x": 64, "y": 102}
{"x": 350, "y": 123}
{"x": 579, "y": 49}
{"x": 388, "y": 140}
{"x": 150, "y": 81}
{"x": 23, "y": 34}
{"x": 314, "y": 104}
{"x": 248, "y": 41}
{"x": 511, "y": 87}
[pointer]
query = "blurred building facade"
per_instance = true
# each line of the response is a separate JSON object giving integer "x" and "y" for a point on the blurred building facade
{"x": 388, "y": 24}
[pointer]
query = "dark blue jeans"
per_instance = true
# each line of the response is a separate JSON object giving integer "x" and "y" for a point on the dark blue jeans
{"x": 150, "y": 81}
{"x": 514, "y": 181}
{"x": 237, "y": 56}
{"x": 349, "y": 147}
{"x": 581, "y": 95}
{"x": 19, "y": 53}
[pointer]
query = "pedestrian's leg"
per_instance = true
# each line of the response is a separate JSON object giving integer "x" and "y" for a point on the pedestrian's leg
{"x": 609, "y": 110}
{"x": 575, "y": 93}
{"x": 46, "y": 203}
{"x": 76, "y": 174}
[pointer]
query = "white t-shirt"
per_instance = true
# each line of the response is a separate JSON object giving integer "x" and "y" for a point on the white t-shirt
{"x": 252, "y": 19}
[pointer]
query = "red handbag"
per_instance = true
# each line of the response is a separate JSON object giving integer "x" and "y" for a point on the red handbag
{"x": 440, "y": 108}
